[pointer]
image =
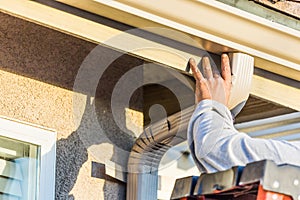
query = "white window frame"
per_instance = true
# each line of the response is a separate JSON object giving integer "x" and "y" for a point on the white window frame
{"x": 46, "y": 140}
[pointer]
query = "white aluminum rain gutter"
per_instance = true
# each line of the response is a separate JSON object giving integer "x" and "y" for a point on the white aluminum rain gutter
{"x": 217, "y": 26}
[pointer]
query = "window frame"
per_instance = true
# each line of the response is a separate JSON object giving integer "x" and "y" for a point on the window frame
{"x": 43, "y": 137}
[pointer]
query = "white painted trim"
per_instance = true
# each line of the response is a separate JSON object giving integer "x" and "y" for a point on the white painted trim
{"x": 272, "y": 120}
{"x": 43, "y": 137}
{"x": 283, "y": 127}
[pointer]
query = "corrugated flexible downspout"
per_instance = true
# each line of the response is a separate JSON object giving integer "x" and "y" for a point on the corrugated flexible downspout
{"x": 145, "y": 156}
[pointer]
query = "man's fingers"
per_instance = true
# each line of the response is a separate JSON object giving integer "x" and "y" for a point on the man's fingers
{"x": 206, "y": 68}
{"x": 225, "y": 66}
{"x": 197, "y": 74}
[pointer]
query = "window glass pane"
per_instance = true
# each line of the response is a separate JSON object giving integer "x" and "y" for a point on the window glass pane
{"x": 19, "y": 169}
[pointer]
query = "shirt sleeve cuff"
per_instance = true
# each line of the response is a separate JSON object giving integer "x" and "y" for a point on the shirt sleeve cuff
{"x": 208, "y": 105}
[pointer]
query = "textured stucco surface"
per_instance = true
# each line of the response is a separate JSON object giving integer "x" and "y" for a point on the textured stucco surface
{"x": 38, "y": 68}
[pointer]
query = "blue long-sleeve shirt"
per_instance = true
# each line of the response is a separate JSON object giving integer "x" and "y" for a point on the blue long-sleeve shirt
{"x": 216, "y": 145}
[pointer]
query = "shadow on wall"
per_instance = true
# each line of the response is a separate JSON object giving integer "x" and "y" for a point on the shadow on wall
{"x": 97, "y": 126}
{"x": 98, "y": 134}
{"x": 55, "y": 58}
{"x": 71, "y": 154}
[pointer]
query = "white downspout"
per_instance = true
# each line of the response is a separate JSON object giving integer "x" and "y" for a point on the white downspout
{"x": 145, "y": 156}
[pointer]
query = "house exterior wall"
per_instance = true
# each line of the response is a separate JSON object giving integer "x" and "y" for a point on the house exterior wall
{"x": 38, "y": 69}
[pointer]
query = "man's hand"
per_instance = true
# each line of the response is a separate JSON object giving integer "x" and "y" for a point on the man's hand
{"x": 210, "y": 85}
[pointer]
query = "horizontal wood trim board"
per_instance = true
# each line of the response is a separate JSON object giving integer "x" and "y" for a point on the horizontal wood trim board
{"x": 276, "y": 92}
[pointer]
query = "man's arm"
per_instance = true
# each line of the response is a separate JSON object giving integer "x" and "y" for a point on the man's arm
{"x": 216, "y": 145}
{"x": 214, "y": 142}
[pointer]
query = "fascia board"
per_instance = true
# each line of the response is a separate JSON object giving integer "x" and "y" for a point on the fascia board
{"x": 276, "y": 92}
{"x": 270, "y": 43}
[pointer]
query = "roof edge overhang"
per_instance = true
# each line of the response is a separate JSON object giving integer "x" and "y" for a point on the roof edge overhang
{"x": 225, "y": 27}
{"x": 274, "y": 46}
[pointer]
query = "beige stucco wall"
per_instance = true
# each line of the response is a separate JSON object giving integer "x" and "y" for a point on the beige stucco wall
{"x": 38, "y": 68}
